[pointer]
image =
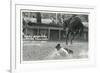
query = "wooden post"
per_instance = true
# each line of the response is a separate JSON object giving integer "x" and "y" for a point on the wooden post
{"x": 48, "y": 34}
{"x": 56, "y": 18}
{"x": 26, "y": 28}
{"x": 37, "y": 31}
{"x": 87, "y": 36}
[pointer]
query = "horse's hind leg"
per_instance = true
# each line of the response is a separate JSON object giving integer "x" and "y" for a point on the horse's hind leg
{"x": 66, "y": 39}
{"x": 72, "y": 37}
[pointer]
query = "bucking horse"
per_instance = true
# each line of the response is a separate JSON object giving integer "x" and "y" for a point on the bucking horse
{"x": 72, "y": 27}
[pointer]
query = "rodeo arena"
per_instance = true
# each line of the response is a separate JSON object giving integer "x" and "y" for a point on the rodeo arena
{"x": 46, "y": 38}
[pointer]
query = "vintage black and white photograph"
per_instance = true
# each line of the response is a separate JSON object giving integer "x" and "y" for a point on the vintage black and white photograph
{"x": 48, "y": 35}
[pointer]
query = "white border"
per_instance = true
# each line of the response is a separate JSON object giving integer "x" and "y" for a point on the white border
{"x": 15, "y": 59}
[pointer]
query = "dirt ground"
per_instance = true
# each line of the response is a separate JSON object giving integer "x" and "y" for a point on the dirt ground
{"x": 42, "y": 50}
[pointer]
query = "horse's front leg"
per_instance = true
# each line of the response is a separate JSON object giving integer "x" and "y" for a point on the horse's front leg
{"x": 67, "y": 37}
{"x": 66, "y": 41}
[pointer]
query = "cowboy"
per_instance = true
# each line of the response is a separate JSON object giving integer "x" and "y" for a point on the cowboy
{"x": 61, "y": 51}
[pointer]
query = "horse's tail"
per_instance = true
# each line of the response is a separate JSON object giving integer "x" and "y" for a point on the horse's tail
{"x": 82, "y": 29}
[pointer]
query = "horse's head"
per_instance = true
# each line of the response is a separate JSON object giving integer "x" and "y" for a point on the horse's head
{"x": 65, "y": 24}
